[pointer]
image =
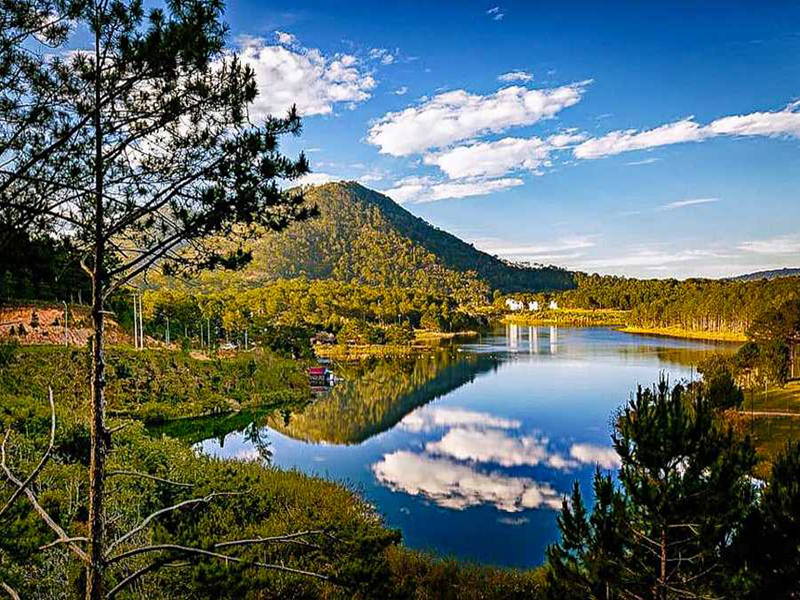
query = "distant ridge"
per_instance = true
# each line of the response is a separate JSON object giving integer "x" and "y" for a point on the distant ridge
{"x": 363, "y": 236}
{"x": 772, "y": 274}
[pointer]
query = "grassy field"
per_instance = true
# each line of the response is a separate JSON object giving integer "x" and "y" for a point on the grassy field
{"x": 569, "y": 316}
{"x": 775, "y": 420}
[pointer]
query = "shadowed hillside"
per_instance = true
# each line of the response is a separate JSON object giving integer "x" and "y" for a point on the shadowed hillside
{"x": 363, "y": 236}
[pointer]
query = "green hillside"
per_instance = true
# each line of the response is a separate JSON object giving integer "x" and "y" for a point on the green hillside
{"x": 363, "y": 236}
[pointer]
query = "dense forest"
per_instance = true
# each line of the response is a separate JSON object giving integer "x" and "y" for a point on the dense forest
{"x": 692, "y": 305}
{"x": 360, "y": 312}
{"x": 39, "y": 268}
{"x": 362, "y": 236}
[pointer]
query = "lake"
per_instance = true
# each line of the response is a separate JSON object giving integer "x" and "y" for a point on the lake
{"x": 470, "y": 450}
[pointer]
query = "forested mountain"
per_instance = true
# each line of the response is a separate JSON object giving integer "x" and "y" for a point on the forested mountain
{"x": 773, "y": 274}
{"x": 365, "y": 237}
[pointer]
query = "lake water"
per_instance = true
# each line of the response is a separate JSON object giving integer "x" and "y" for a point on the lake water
{"x": 469, "y": 451}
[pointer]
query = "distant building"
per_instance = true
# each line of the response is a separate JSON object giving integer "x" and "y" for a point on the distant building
{"x": 553, "y": 305}
{"x": 533, "y": 306}
{"x": 514, "y": 304}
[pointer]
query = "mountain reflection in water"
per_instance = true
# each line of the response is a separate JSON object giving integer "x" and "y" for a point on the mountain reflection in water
{"x": 469, "y": 451}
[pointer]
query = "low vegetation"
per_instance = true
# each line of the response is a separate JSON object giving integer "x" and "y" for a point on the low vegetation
{"x": 153, "y": 385}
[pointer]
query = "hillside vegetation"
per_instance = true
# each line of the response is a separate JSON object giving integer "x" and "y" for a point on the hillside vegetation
{"x": 365, "y": 237}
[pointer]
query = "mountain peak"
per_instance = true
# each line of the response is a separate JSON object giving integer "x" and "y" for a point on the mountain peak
{"x": 364, "y": 236}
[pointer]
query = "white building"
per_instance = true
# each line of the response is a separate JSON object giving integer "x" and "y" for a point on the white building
{"x": 533, "y": 306}
{"x": 553, "y": 305}
{"x": 514, "y": 304}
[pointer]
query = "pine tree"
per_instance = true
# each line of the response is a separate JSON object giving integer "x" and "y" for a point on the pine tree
{"x": 142, "y": 150}
{"x": 684, "y": 490}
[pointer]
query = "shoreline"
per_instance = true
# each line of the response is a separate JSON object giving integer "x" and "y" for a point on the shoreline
{"x": 686, "y": 334}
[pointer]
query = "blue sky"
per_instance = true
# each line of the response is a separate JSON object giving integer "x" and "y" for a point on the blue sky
{"x": 644, "y": 140}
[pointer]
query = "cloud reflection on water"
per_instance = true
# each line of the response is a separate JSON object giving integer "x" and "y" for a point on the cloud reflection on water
{"x": 453, "y": 485}
{"x": 447, "y": 470}
{"x": 428, "y": 419}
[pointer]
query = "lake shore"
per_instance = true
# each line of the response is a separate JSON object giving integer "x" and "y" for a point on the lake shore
{"x": 569, "y": 317}
{"x": 678, "y": 332}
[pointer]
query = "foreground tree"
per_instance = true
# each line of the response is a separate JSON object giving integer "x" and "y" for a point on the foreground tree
{"x": 684, "y": 489}
{"x": 766, "y": 554}
{"x": 778, "y": 331}
{"x": 150, "y": 153}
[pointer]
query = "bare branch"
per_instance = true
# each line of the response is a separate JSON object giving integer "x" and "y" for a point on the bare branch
{"x": 290, "y": 537}
{"x": 9, "y": 590}
{"x": 45, "y": 457}
{"x": 62, "y": 535}
{"x": 147, "y": 476}
{"x": 210, "y": 554}
{"x": 162, "y": 511}
{"x": 55, "y": 543}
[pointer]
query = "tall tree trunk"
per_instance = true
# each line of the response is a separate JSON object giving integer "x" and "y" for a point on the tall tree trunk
{"x": 98, "y": 433}
{"x": 662, "y": 582}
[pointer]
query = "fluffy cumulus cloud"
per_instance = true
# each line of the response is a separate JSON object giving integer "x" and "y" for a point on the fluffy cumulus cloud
{"x": 429, "y": 189}
{"x": 492, "y": 158}
{"x": 513, "y": 76}
{"x": 458, "y": 115}
{"x": 457, "y": 486}
{"x": 289, "y": 74}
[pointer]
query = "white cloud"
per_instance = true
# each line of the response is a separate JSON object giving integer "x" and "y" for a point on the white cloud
{"x": 646, "y": 161}
{"x": 566, "y": 138}
{"x": 429, "y": 418}
{"x": 384, "y": 56}
{"x": 488, "y": 159}
{"x": 457, "y": 486}
{"x": 778, "y": 245}
{"x": 651, "y": 259}
{"x": 604, "y": 457}
{"x": 401, "y": 91}
{"x": 512, "y": 76}
{"x": 496, "y": 13}
{"x": 616, "y": 142}
{"x": 427, "y": 189}
{"x": 785, "y": 122}
{"x": 495, "y": 446}
{"x": 689, "y": 202}
{"x": 371, "y": 177}
{"x": 458, "y": 115}
{"x": 316, "y": 179}
{"x": 316, "y": 83}
{"x": 566, "y": 244}
{"x": 287, "y": 39}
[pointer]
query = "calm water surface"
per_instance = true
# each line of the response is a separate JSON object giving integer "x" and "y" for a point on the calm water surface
{"x": 470, "y": 451}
